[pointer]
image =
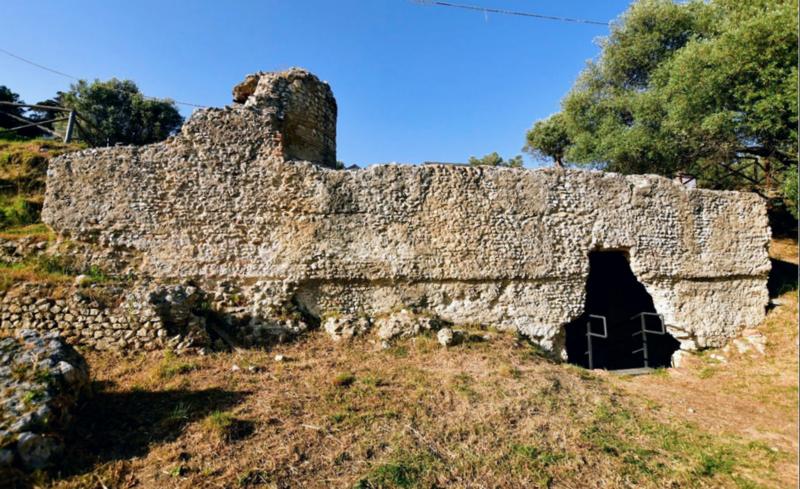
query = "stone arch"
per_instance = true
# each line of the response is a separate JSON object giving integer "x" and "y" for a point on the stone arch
{"x": 614, "y": 292}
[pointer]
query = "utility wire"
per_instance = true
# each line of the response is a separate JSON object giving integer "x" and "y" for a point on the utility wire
{"x": 79, "y": 79}
{"x": 509, "y": 12}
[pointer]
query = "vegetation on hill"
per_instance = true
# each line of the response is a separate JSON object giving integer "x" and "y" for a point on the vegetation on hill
{"x": 495, "y": 159}
{"x": 119, "y": 113}
{"x": 23, "y": 172}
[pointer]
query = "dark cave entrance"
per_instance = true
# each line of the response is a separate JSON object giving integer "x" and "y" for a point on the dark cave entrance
{"x": 634, "y": 334}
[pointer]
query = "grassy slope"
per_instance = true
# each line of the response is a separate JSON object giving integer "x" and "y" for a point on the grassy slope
{"x": 23, "y": 167}
{"x": 487, "y": 414}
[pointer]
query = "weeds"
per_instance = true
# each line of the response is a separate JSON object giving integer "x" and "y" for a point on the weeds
{"x": 178, "y": 416}
{"x": 343, "y": 380}
{"x": 171, "y": 366}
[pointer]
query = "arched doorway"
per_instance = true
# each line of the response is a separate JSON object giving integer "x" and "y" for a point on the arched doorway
{"x": 626, "y": 330}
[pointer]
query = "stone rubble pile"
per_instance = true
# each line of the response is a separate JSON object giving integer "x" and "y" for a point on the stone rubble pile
{"x": 452, "y": 337}
{"x": 42, "y": 379}
{"x": 403, "y": 324}
{"x": 14, "y": 251}
{"x": 346, "y": 327}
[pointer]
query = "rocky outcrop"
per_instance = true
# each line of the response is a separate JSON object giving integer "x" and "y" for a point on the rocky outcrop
{"x": 41, "y": 380}
{"x": 229, "y": 200}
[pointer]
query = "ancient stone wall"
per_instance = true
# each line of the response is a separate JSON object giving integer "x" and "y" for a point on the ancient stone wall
{"x": 500, "y": 246}
{"x": 145, "y": 317}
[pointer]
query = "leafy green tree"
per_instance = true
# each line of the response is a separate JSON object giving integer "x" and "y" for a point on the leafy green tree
{"x": 121, "y": 113}
{"x": 495, "y": 159}
{"x": 6, "y": 95}
{"x": 6, "y": 111}
{"x": 548, "y": 140}
{"x": 708, "y": 87}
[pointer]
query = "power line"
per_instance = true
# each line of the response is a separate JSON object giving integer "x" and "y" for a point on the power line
{"x": 79, "y": 79}
{"x": 509, "y": 12}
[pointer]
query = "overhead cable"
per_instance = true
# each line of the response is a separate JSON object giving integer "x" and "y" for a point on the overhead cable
{"x": 509, "y": 12}
{"x": 79, "y": 79}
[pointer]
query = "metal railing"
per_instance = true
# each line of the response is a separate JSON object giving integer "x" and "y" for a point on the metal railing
{"x": 644, "y": 331}
{"x": 590, "y": 333}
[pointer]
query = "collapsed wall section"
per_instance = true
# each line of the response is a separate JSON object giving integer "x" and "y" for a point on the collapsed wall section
{"x": 507, "y": 247}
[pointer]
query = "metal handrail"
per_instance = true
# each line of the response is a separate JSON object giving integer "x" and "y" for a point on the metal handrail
{"x": 643, "y": 332}
{"x": 589, "y": 335}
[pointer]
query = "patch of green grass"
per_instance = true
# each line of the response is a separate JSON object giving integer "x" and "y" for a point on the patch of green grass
{"x": 18, "y": 211}
{"x": 392, "y": 475}
{"x": 220, "y": 424}
{"x": 32, "y": 396}
{"x": 96, "y": 275}
{"x": 178, "y": 416}
{"x": 716, "y": 461}
{"x": 660, "y": 372}
{"x": 343, "y": 380}
{"x": 171, "y": 366}
{"x": 338, "y": 417}
{"x": 706, "y": 373}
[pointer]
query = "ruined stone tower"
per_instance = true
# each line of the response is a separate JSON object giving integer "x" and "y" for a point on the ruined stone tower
{"x": 301, "y": 110}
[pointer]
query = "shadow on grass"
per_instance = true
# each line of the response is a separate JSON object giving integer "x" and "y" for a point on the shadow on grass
{"x": 122, "y": 425}
{"x": 782, "y": 278}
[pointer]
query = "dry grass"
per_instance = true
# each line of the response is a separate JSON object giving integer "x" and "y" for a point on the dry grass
{"x": 36, "y": 269}
{"x": 36, "y": 233}
{"x": 484, "y": 414}
{"x": 784, "y": 249}
{"x": 491, "y": 414}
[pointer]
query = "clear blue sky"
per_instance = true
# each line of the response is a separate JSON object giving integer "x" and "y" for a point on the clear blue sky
{"x": 413, "y": 83}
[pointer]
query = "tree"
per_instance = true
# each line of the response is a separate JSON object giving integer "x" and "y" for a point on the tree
{"x": 6, "y": 111}
{"x": 708, "y": 87}
{"x": 548, "y": 139}
{"x": 495, "y": 159}
{"x": 121, "y": 112}
{"x": 6, "y": 95}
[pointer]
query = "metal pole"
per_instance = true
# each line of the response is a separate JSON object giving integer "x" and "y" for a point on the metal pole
{"x": 70, "y": 126}
{"x": 644, "y": 342}
{"x": 589, "y": 340}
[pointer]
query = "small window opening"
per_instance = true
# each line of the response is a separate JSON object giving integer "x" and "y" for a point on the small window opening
{"x": 620, "y": 327}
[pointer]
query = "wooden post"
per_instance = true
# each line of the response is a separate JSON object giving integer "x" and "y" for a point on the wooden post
{"x": 70, "y": 126}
